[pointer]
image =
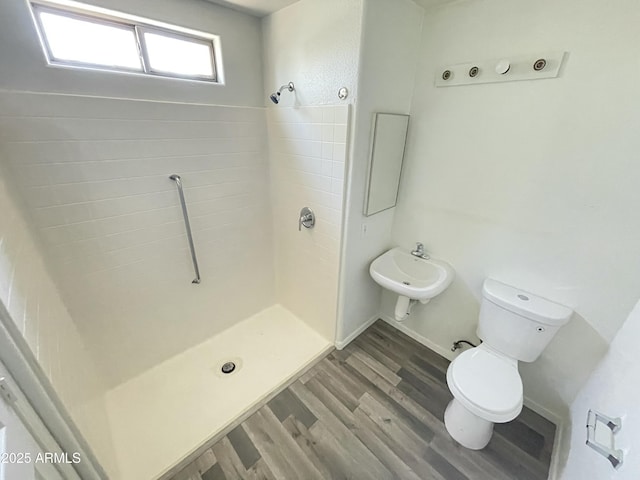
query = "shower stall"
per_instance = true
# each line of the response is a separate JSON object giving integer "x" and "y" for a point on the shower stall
{"x": 93, "y": 198}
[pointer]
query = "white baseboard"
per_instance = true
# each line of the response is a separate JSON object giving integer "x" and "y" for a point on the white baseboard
{"x": 544, "y": 412}
{"x": 560, "y": 423}
{"x": 340, "y": 344}
{"x": 555, "y": 469}
{"x": 418, "y": 338}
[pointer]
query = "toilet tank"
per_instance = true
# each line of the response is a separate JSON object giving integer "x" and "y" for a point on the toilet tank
{"x": 517, "y": 323}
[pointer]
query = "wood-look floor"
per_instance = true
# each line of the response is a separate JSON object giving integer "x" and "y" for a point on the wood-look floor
{"x": 371, "y": 411}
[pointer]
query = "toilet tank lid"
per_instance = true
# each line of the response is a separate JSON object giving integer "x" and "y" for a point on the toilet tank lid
{"x": 526, "y": 304}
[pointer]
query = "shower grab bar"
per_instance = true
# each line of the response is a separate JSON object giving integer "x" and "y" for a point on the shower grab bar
{"x": 187, "y": 226}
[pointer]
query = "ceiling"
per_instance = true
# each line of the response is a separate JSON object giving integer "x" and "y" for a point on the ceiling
{"x": 431, "y": 3}
{"x": 259, "y": 8}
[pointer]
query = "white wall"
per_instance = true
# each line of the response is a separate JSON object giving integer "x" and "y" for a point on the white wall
{"x": 534, "y": 182}
{"x": 388, "y": 58}
{"x": 315, "y": 44}
{"x": 612, "y": 390}
{"x": 32, "y": 300}
{"x": 307, "y": 154}
{"x": 240, "y": 37}
{"x": 94, "y": 174}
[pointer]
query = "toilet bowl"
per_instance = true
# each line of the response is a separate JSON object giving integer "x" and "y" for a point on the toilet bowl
{"x": 487, "y": 389}
{"x": 486, "y": 385}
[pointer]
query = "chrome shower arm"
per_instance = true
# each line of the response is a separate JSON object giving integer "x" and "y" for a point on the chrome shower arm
{"x": 288, "y": 86}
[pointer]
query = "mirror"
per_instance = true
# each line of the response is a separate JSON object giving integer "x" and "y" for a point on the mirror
{"x": 385, "y": 161}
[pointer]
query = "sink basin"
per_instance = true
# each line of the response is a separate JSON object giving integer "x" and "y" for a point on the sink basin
{"x": 411, "y": 277}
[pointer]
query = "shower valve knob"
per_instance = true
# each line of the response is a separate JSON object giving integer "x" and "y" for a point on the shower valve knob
{"x": 307, "y": 218}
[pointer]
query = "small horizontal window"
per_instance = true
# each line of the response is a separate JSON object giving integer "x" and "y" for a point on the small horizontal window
{"x": 86, "y": 39}
{"x": 73, "y": 39}
{"x": 178, "y": 55}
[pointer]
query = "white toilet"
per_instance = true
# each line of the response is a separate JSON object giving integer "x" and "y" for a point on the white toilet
{"x": 485, "y": 382}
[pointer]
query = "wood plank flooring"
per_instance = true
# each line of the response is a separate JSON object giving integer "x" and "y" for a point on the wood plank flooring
{"x": 371, "y": 411}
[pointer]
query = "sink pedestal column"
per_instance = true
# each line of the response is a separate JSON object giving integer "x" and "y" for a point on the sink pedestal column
{"x": 404, "y": 306}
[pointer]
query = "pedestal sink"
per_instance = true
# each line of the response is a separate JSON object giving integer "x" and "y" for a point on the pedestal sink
{"x": 412, "y": 278}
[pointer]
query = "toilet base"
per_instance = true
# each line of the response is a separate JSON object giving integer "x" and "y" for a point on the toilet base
{"x": 466, "y": 428}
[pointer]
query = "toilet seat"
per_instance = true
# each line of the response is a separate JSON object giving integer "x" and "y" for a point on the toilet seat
{"x": 487, "y": 384}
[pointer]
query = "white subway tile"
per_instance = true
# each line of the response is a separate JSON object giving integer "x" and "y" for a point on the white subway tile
{"x": 339, "y": 152}
{"x": 337, "y": 186}
{"x": 328, "y": 114}
{"x": 76, "y": 212}
{"x": 40, "y": 196}
{"x": 342, "y": 115}
{"x": 316, "y": 114}
{"x": 327, "y": 151}
{"x": 327, "y": 133}
{"x": 327, "y": 166}
{"x": 340, "y": 134}
{"x": 306, "y": 115}
{"x": 337, "y": 170}
{"x": 69, "y": 233}
{"x": 309, "y": 148}
{"x": 69, "y": 193}
{"x": 6, "y": 269}
{"x": 316, "y": 132}
{"x": 306, "y": 131}
{"x": 316, "y": 149}
{"x": 316, "y": 181}
{"x": 49, "y": 216}
{"x": 34, "y": 175}
{"x": 62, "y": 173}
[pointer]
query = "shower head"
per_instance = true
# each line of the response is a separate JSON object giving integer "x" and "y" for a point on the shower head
{"x": 275, "y": 97}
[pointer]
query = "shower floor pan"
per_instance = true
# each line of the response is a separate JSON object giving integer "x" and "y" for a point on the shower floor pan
{"x": 162, "y": 416}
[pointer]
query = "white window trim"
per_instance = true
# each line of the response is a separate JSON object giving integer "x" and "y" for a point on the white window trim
{"x": 98, "y": 21}
{"x": 140, "y": 30}
{"x": 137, "y": 25}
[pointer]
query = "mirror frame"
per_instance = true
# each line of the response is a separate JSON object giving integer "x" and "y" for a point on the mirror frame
{"x": 372, "y": 150}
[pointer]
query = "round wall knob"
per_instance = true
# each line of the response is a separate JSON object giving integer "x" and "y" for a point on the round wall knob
{"x": 503, "y": 67}
{"x": 539, "y": 64}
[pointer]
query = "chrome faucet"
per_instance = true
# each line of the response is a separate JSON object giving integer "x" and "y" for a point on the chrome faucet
{"x": 419, "y": 251}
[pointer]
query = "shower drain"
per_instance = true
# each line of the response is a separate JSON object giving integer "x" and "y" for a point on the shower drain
{"x": 228, "y": 367}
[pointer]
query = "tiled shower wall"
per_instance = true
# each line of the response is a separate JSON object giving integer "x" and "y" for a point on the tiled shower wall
{"x": 307, "y": 152}
{"x": 93, "y": 173}
{"x": 34, "y": 304}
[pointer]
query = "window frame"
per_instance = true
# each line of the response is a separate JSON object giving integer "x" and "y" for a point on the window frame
{"x": 138, "y": 29}
{"x": 51, "y": 58}
{"x": 144, "y": 53}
